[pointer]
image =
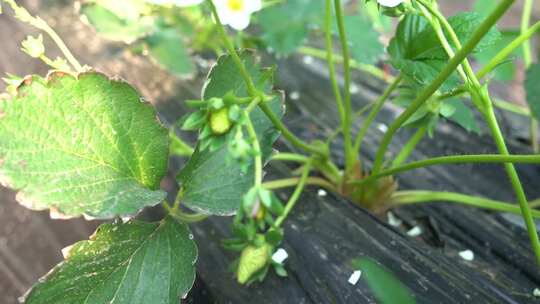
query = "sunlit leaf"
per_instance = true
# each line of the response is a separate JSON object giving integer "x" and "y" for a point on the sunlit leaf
{"x": 82, "y": 145}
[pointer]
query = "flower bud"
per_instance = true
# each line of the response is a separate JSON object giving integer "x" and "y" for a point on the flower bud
{"x": 252, "y": 260}
{"x": 33, "y": 46}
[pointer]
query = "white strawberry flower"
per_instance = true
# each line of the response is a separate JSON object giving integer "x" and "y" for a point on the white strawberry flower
{"x": 390, "y": 3}
{"x": 176, "y": 2}
{"x": 237, "y": 13}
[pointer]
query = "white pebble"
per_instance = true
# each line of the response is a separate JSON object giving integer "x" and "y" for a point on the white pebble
{"x": 355, "y": 277}
{"x": 354, "y": 88}
{"x": 467, "y": 255}
{"x": 126, "y": 219}
{"x": 308, "y": 59}
{"x": 88, "y": 217}
{"x": 280, "y": 255}
{"x": 295, "y": 95}
{"x": 321, "y": 193}
{"x": 536, "y": 292}
{"x": 393, "y": 220}
{"x": 415, "y": 231}
{"x": 382, "y": 127}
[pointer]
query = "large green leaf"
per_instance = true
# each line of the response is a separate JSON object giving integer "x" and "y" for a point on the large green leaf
{"x": 532, "y": 87}
{"x": 82, "y": 145}
{"x": 363, "y": 39}
{"x": 168, "y": 49}
{"x": 114, "y": 26}
{"x": 417, "y": 52}
{"x": 285, "y": 25}
{"x": 212, "y": 182}
{"x": 129, "y": 263}
{"x": 386, "y": 287}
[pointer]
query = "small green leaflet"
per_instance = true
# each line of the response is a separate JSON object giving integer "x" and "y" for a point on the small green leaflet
{"x": 417, "y": 53}
{"x": 167, "y": 48}
{"x": 112, "y": 26}
{"x": 384, "y": 285}
{"x": 82, "y": 145}
{"x": 212, "y": 183}
{"x": 462, "y": 115}
{"x": 532, "y": 87}
{"x": 285, "y": 25}
{"x": 131, "y": 263}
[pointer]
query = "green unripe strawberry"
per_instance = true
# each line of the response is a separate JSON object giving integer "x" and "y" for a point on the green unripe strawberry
{"x": 252, "y": 260}
{"x": 220, "y": 122}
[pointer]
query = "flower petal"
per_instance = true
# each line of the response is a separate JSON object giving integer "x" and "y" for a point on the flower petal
{"x": 390, "y": 3}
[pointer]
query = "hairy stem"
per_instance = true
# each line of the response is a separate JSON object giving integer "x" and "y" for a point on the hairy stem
{"x": 445, "y": 73}
{"x": 481, "y": 97}
{"x": 294, "y": 181}
{"x": 374, "y": 112}
{"x": 409, "y": 147}
{"x": 421, "y": 196}
{"x": 296, "y": 194}
{"x": 455, "y": 159}
{"x": 252, "y": 90}
{"x": 350, "y": 155}
{"x": 527, "y": 59}
{"x": 330, "y": 61}
{"x": 367, "y": 68}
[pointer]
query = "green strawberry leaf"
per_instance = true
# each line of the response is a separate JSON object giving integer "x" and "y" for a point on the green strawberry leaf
{"x": 212, "y": 182}
{"x": 532, "y": 87}
{"x": 113, "y": 26}
{"x": 416, "y": 51}
{"x": 363, "y": 39}
{"x": 129, "y": 263}
{"x": 168, "y": 49}
{"x": 82, "y": 145}
{"x": 462, "y": 115}
{"x": 385, "y": 286}
{"x": 285, "y": 25}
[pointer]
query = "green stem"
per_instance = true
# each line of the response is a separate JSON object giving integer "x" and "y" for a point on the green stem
{"x": 178, "y": 146}
{"x": 421, "y": 196}
{"x": 183, "y": 217}
{"x": 409, "y": 147}
{"x": 292, "y": 157}
{"x": 525, "y": 23}
{"x": 508, "y": 50}
{"x": 295, "y": 196}
{"x": 367, "y": 68}
{"x": 330, "y": 62}
{"x": 455, "y": 159}
{"x": 527, "y": 59}
{"x": 427, "y": 11}
{"x": 22, "y": 14}
{"x": 535, "y": 203}
{"x": 374, "y": 112}
{"x": 350, "y": 156}
{"x": 256, "y": 149}
{"x": 252, "y": 90}
{"x": 516, "y": 183}
{"x": 511, "y": 107}
{"x": 465, "y": 68}
{"x": 482, "y": 99}
{"x": 293, "y": 139}
{"x": 293, "y": 181}
{"x": 445, "y": 73}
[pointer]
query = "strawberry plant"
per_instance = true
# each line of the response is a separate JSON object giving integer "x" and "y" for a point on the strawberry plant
{"x": 81, "y": 143}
